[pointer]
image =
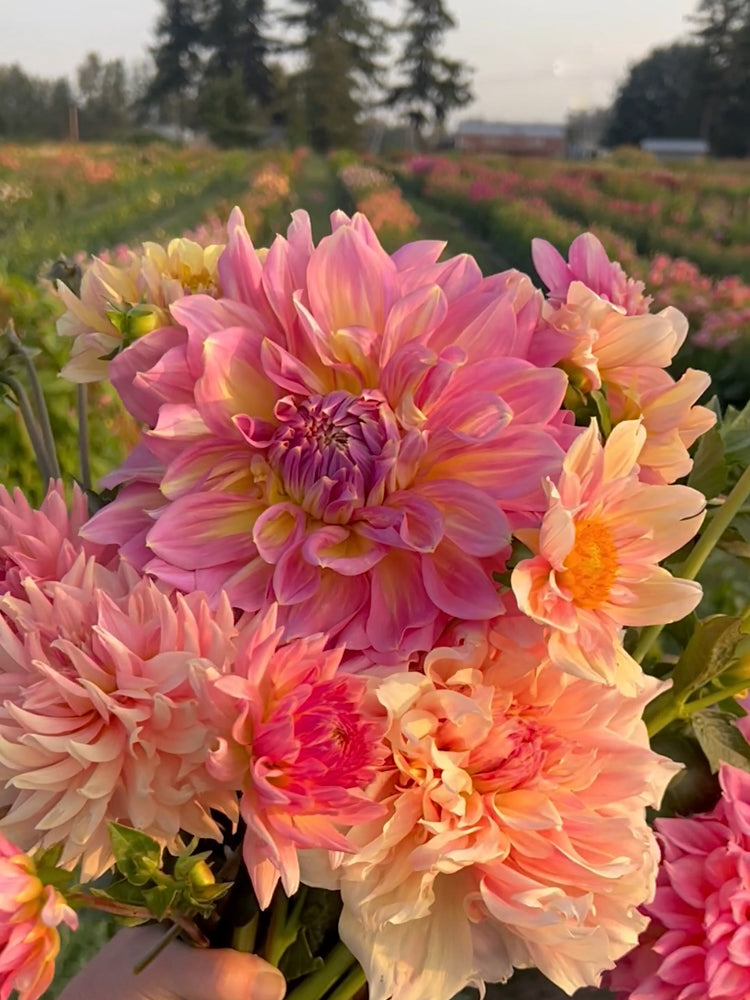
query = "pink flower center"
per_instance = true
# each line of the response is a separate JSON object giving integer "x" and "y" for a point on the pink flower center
{"x": 334, "y": 452}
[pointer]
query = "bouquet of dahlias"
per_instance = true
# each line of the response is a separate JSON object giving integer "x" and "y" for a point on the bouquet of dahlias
{"x": 342, "y": 665}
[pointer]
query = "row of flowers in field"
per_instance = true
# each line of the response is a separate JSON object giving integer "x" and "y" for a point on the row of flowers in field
{"x": 375, "y": 193}
{"x": 499, "y": 204}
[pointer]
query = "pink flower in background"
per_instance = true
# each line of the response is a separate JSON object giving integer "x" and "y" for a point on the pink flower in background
{"x": 42, "y": 544}
{"x": 516, "y": 834}
{"x": 101, "y": 720}
{"x": 595, "y": 567}
{"x": 698, "y": 944}
{"x": 588, "y": 263}
{"x": 30, "y": 914}
{"x": 347, "y": 433}
{"x": 296, "y": 741}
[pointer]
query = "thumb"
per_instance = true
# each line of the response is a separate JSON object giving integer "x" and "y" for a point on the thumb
{"x": 221, "y": 974}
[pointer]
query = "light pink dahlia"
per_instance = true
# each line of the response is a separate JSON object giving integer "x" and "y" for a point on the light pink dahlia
{"x": 698, "y": 944}
{"x": 597, "y": 326}
{"x": 101, "y": 720}
{"x": 515, "y": 835}
{"x": 297, "y": 744}
{"x": 41, "y": 544}
{"x": 596, "y": 558}
{"x": 347, "y": 433}
{"x": 30, "y": 914}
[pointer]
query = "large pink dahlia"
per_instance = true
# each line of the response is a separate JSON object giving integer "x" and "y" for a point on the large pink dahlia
{"x": 297, "y": 744}
{"x": 101, "y": 719}
{"x": 347, "y": 433}
{"x": 698, "y": 944}
{"x": 516, "y": 833}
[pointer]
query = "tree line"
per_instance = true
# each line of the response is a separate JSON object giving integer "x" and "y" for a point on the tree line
{"x": 699, "y": 88}
{"x": 230, "y": 69}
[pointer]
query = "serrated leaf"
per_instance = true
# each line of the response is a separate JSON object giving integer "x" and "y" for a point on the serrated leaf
{"x": 298, "y": 960}
{"x": 710, "y": 471}
{"x": 159, "y": 898}
{"x": 720, "y": 739}
{"x": 710, "y": 651}
{"x": 136, "y": 854}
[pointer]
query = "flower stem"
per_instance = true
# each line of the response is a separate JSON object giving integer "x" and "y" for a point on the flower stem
{"x": 32, "y": 428}
{"x": 349, "y": 986}
{"x": 157, "y": 949}
{"x": 339, "y": 962}
{"x": 244, "y": 935}
{"x": 702, "y": 550}
{"x": 84, "y": 464}
{"x": 40, "y": 403}
{"x": 669, "y": 710}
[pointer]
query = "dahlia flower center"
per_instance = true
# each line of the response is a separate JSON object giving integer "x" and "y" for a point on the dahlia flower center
{"x": 334, "y": 450}
{"x": 510, "y": 758}
{"x": 591, "y": 566}
{"x": 194, "y": 282}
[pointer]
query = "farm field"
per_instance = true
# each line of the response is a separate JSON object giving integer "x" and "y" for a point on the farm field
{"x": 685, "y": 233}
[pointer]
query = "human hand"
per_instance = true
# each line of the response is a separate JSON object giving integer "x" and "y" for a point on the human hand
{"x": 177, "y": 973}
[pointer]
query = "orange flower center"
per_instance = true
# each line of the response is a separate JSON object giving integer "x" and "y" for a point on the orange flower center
{"x": 591, "y": 566}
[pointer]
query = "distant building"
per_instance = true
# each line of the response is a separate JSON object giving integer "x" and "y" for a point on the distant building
{"x": 676, "y": 149}
{"x": 514, "y": 138}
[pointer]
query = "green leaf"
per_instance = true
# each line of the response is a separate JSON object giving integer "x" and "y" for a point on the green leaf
{"x": 720, "y": 739}
{"x": 298, "y": 960}
{"x": 48, "y": 858}
{"x": 136, "y": 854}
{"x": 735, "y": 433}
{"x": 601, "y": 409}
{"x": 711, "y": 650}
{"x": 121, "y": 892}
{"x": 710, "y": 471}
{"x": 159, "y": 898}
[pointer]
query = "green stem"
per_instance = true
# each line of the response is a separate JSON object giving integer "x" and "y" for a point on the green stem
{"x": 84, "y": 465}
{"x": 669, "y": 710}
{"x": 349, "y": 986}
{"x": 32, "y": 428}
{"x": 702, "y": 550}
{"x": 339, "y": 962}
{"x": 275, "y": 943}
{"x": 40, "y": 404}
{"x": 244, "y": 935}
{"x": 157, "y": 949}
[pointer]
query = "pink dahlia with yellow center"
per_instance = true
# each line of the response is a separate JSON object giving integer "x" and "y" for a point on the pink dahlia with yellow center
{"x": 347, "y": 433}
{"x": 30, "y": 914}
{"x": 295, "y": 741}
{"x": 596, "y": 562}
{"x": 597, "y": 326}
{"x": 101, "y": 720}
{"x": 515, "y": 833}
{"x": 698, "y": 944}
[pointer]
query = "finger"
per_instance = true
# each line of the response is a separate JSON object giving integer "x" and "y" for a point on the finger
{"x": 221, "y": 974}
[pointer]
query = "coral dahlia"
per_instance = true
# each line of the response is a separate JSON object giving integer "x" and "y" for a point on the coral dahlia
{"x": 30, "y": 914}
{"x": 516, "y": 833}
{"x": 595, "y": 567}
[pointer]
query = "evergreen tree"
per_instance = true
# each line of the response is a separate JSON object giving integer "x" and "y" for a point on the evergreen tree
{"x": 723, "y": 32}
{"x": 431, "y": 85}
{"x": 341, "y": 42}
{"x": 177, "y": 57}
{"x": 234, "y": 34}
{"x": 103, "y": 99}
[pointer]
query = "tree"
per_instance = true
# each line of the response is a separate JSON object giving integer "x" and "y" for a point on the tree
{"x": 103, "y": 99}
{"x": 32, "y": 108}
{"x": 660, "y": 97}
{"x": 341, "y": 42}
{"x": 431, "y": 85}
{"x": 723, "y": 32}
{"x": 235, "y": 36}
{"x": 177, "y": 58}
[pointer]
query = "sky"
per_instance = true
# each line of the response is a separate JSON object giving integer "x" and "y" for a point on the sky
{"x": 534, "y": 60}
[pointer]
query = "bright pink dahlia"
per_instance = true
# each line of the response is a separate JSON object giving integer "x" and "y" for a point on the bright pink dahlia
{"x": 42, "y": 544}
{"x": 698, "y": 944}
{"x": 346, "y": 433}
{"x": 515, "y": 833}
{"x": 30, "y": 914}
{"x": 101, "y": 720}
{"x": 297, "y": 743}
